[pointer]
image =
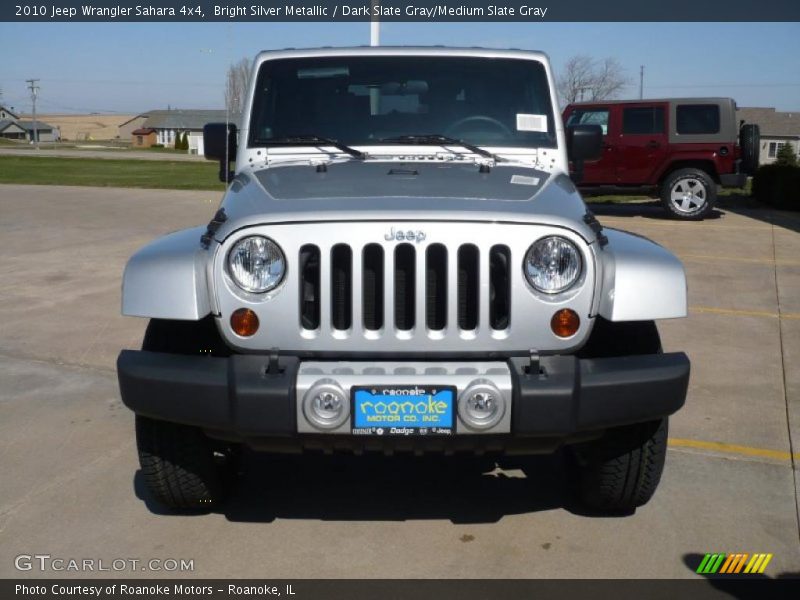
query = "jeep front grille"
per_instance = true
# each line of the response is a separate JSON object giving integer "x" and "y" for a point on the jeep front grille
{"x": 439, "y": 288}
{"x": 351, "y": 288}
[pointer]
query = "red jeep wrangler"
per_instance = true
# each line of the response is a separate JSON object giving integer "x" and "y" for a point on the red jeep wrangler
{"x": 683, "y": 147}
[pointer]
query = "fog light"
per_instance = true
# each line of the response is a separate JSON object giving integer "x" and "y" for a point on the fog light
{"x": 325, "y": 405}
{"x": 244, "y": 322}
{"x": 565, "y": 323}
{"x": 481, "y": 405}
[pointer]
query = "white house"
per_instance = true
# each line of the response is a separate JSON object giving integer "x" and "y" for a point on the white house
{"x": 777, "y": 129}
{"x": 169, "y": 123}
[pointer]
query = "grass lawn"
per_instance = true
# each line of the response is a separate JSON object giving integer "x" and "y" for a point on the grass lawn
{"x": 98, "y": 172}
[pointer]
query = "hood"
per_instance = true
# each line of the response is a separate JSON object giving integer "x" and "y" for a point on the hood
{"x": 402, "y": 191}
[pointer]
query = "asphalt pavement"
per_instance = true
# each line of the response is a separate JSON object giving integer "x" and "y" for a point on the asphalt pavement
{"x": 70, "y": 483}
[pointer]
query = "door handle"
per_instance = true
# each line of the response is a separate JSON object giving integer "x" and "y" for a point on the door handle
{"x": 653, "y": 144}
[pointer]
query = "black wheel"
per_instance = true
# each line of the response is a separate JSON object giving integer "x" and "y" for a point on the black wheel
{"x": 750, "y": 143}
{"x": 181, "y": 466}
{"x": 621, "y": 471}
{"x": 688, "y": 194}
{"x": 178, "y": 464}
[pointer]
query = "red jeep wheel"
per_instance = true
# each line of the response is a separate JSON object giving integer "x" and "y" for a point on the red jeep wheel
{"x": 688, "y": 194}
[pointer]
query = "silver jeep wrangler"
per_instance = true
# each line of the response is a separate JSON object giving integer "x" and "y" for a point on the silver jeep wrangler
{"x": 402, "y": 264}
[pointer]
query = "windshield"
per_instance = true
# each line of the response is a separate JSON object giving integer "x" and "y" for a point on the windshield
{"x": 367, "y": 99}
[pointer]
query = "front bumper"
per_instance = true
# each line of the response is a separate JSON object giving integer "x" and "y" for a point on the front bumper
{"x": 252, "y": 399}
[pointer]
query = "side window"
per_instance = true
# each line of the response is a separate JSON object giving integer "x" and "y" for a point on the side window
{"x": 697, "y": 119}
{"x": 643, "y": 120}
{"x": 590, "y": 116}
{"x": 774, "y": 148}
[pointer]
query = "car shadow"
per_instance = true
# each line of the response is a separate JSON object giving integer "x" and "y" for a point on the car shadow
{"x": 463, "y": 490}
{"x": 747, "y": 206}
{"x": 736, "y": 203}
{"x": 650, "y": 209}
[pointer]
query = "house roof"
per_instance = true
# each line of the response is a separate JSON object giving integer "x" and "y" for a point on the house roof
{"x": 186, "y": 119}
{"x": 10, "y": 112}
{"x": 143, "y": 131}
{"x": 6, "y": 123}
{"x": 40, "y": 125}
{"x": 141, "y": 116}
{"x": 771, "y": 121}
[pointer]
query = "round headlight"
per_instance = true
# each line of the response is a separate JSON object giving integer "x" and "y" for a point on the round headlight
{"x": 552, "y": 264}
{"x": 256, "y": 264}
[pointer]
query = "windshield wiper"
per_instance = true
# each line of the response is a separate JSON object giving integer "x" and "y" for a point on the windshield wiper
{"x": 306, "y": 139}
{"x": 436, "y": 138}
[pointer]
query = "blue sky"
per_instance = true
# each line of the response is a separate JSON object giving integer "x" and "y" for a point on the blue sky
{"x": 132, "y": 67}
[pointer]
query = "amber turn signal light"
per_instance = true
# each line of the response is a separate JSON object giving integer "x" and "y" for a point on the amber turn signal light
{"x": 244, "y": 322}
{"x": 565, "y": 323}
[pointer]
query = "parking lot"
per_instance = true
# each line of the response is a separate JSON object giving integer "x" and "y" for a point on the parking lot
{"x": 68, "y": 464}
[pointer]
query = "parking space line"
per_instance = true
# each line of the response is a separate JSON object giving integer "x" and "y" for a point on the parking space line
{"x": 744, "y": 313}
{"x": 732, "y": 449}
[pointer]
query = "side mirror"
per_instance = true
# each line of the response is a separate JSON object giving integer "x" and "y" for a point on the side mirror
{"x": 584, "y": 142}
{"x": 220, "y": 143}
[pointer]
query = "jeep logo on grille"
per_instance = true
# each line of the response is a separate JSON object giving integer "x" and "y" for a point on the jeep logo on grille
{"x": 401, "y": 236}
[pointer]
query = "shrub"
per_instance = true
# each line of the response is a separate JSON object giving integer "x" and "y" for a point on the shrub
{"x": 157, "y": 145}
{"x": 778, "y": 186}
{"x": 786, "y": 156}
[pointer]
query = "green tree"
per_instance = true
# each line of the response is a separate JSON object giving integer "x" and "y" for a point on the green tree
{"x": 786, "y": 155}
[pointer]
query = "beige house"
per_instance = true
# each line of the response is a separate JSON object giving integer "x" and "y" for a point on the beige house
{"x": 777, "y": 128}
{"x": 127, "y": 128}
{"x": 143, "y": 137}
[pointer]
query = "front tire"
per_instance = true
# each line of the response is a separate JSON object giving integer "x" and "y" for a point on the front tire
{"x": 178, "y": 464}
{"x": 688, "y": 194}
{"x": 621, "y": 471}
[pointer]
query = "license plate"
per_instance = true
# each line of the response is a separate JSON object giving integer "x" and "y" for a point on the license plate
{"x": 403, "y": 410}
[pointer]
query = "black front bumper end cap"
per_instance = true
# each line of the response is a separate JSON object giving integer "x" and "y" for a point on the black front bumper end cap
{"x": 571, "y": 395}
{"x": 242, "y": 393}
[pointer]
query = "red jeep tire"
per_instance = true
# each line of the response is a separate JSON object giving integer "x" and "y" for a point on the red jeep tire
{"x": 688, "y": 194}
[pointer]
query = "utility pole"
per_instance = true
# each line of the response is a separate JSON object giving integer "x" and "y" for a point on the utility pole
{"x": 34, "y": 93}
{"x": 641, "y": 82}
{"x": 374, "y": 26}
{"x": 374, "y": 40}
